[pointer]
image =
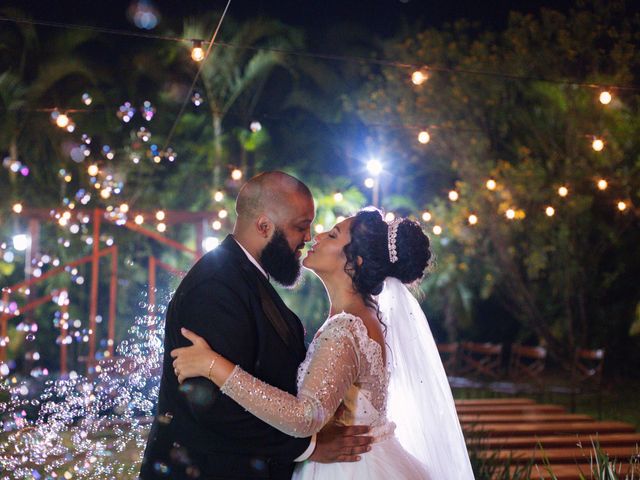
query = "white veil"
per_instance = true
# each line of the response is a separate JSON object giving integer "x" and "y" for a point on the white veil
{"x": 420, "y": 400}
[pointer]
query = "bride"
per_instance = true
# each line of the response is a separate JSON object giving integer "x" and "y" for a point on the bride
{"x": 374, "y": 357}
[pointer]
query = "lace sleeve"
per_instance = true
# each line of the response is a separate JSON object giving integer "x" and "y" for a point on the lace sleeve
{"x": 332, "y": 370}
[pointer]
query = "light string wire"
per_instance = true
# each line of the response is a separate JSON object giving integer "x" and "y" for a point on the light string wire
{"x": 326, "y": 56}
{"x": 197, "y": 76}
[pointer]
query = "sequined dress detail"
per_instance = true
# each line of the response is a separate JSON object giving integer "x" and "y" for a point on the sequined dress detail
{"x": 343, "y": 365}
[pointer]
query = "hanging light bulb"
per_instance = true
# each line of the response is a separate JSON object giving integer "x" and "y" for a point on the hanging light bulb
{"x": 218, "y": 196}
{"x": 602, "y": 184}
{"x": 62, "y": 120}
{"x": 160, "y": 215}
{"x": 563, "y": 191}
{"x": 511, "y": 214}
{"x": 17, "y": 208}
{"x": 473, "y": 219}
{"x": 338, "y": 197}
{"x": 161, "y": 227}
{"x": 93, "y": 170}
{"x": 424, "y": 137}
{"x": 622, "y": 206}
{"x": 369, "y": 182}
{"x": 197, "y": 53}
{"x": 491, "y": 184}
{"x": 139, "y": 220}
{"x": 419, "y": 77}
{"x": 605, "y": 97}
{"x": 426, "y": 216}
{"x": 236, "y": 174}
{"x": 597, "y": 144}
{"x": 453, "y": 195}
{"x": 550, "y": 211}
{"x": 437, "y": 229}
{"x": 389, "y": 217}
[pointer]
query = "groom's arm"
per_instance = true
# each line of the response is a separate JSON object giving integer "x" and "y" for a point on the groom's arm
{"x": 215, "y": 311}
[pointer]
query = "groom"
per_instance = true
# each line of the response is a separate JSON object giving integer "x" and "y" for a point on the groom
{"x": 227, "y": 298}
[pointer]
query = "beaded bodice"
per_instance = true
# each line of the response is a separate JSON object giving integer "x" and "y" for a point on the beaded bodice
{"x": 343, "y": 366}
{"x": 365, "y": 402}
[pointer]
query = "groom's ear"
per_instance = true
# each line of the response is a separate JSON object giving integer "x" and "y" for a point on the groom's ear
{"x": 264, "y": 226}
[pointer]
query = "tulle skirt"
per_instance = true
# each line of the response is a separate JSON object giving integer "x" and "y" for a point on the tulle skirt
{"x": 387, "y": 460}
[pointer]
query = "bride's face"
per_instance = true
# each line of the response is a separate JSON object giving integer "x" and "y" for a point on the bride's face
{"x": 326, "y": 255}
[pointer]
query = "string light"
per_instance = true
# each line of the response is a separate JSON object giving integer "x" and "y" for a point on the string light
{"x": 424, "y": 137}
{"x": 160, "y": 215}
{"x": 17, "y": 208}
{"x": 453, "y": 195}
{"x": 369, "y": 182}
{"x": 426, "y": 216}
{"x": 216, "y": 225}
{"x": 473, "y": 219}
{"x": 491, "y": 184}
{"x": 605, "y": 97}
{"x": 197, "y": 53}
{"x": 236, "y": 174}
{"x": 563, "y": 191}
{"x": 124, "y": 208}
{"x": 62, "y": 120}
{"x": 139, "y": 220}
{"x": 437, "y": 229}
{"x": 161, "y": 227}
{"x": 223, "y": 213}
{"x": 550, "y": 211}
{"x": 602, "y": 184}
{"x": 218, "y": 196}
{"x": 86, "y": 99}
{"x": 419, "y": 77}
{"x": 93, "y": 170}
{"x": 389, "y": 217}
{"x": 338, "y": 197}
{"x": 511, "y": 214}
{"x": 622, "y": 206}
{"x": 597, "y": 144}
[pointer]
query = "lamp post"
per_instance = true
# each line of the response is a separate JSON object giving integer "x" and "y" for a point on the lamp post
{"x": 375, "y": 168}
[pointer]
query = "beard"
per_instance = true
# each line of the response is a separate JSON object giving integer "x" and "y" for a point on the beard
{"x": 280, "y": 262}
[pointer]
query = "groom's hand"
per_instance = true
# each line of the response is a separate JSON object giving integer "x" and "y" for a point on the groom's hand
{"x": 336, "y": 443}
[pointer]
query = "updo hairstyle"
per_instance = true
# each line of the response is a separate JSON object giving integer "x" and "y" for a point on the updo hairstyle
{"x": 369, "y": 240}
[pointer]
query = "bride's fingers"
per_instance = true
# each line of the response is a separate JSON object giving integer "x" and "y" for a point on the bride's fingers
{"x": 192, "y": 337}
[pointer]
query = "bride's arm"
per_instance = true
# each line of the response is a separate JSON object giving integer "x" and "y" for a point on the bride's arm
{"x": 332, "y": 370}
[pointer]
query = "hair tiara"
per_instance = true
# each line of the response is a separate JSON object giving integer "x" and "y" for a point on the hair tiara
{"x": 392, "y": 235}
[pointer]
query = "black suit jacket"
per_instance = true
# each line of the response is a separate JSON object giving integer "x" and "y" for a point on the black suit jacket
{"x": 198, "y": 430}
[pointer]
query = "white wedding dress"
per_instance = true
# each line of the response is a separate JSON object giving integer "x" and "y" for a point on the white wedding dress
{"x": 343, "y": 365}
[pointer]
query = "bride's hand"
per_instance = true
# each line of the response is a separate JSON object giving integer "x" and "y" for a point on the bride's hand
{"x": 193, "y": 361}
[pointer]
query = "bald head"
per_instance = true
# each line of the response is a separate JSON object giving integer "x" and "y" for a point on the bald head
{"x": 272, "y": 194}
{"x": 274, "y": 209}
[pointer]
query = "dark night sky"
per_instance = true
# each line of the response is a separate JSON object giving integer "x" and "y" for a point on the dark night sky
{"x": 380, "y": 16}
